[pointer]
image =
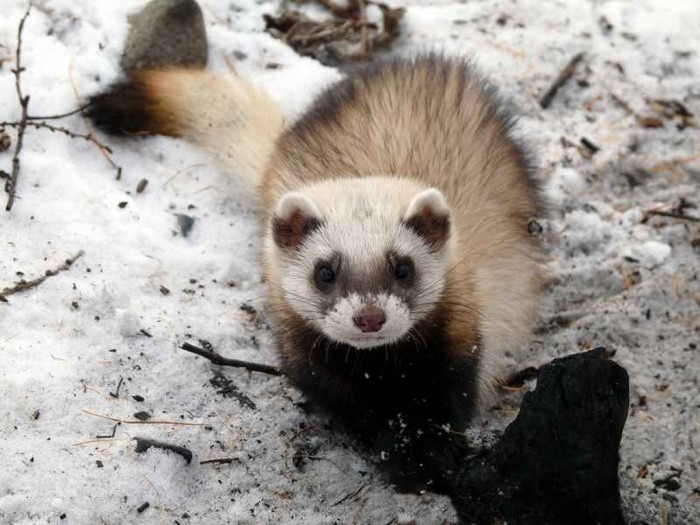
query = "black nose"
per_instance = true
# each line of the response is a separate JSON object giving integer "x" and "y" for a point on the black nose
{"x": 370, "y": 319}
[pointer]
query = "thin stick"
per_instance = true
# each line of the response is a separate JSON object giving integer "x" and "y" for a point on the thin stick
{"x": 673, "y": 215}
{"x": 26, "y": 285}
{"x": 221, "y": 461}
{"x": 218, "y": 359}
{"x": 114, "y": 431}
{"x": 138, "y": 422}
{"x": 101, "y": 441}
{"x": 563, "y": 77}
{"x": 348, "y": 496}
{"x": 115, "y": 394}
{"x": 106, "y": 152}
{"x": 43, "y": 125}
{"x": 61, "y": 115}
{"x": 11, "y": 186}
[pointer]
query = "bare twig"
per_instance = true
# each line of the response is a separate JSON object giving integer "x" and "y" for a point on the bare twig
{"x": 218, "y": 359}
{"x": 563, "y": 77}
{"x": 26, "y": 285}
{"x": 348, "y": 496}
{"x": 59, "y": 129}
{"x": 11, "y": 186}
{"x": 37, "y": 122}
{"x": 106, "y": 152}
{"x": 61, "y": 115}
{"x": 220, "y": 461}
{"x": 672, "y": 215}
{"x": 108, "y": 436}
{"x": 124, "y": 440}
{"x": 115, "y": 394}
{"x": 150, "y": 422}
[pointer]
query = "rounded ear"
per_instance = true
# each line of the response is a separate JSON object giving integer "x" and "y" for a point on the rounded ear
{"x": 295, "y": 217}
{"x": 429, "y": 216}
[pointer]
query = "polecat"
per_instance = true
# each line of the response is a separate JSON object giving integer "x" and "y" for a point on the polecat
{"x": 396, "y": 248}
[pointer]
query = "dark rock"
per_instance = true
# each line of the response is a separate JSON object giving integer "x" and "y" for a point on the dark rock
{"x": 557, "y": 462}
{"x": 166, "y": 33}
{"x": 185, "y": 222}
{"x": 669, "y": 483}
{"x": 143, "y": 444}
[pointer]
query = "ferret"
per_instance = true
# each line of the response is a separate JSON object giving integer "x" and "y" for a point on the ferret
{"x": 396, "y": 252}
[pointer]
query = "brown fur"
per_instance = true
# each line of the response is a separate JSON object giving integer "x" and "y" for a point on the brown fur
{"x": 434, "y": 121}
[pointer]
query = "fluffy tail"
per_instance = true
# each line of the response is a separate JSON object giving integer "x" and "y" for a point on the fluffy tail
{"x": 233, "y": 119}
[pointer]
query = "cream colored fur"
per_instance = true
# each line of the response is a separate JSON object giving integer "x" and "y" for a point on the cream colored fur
{"x": 432, "y": 123}
{"x": 230, "y": 117}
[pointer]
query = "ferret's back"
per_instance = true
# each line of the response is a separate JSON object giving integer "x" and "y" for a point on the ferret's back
{"x": 429, "y": 118}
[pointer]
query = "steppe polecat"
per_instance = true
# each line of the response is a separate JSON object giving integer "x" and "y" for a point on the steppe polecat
{"x": 396, "y": 248}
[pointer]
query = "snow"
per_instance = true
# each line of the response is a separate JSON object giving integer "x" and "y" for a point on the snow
{"x": 627, "y": 281}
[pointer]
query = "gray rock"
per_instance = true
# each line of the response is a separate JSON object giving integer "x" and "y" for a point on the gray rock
{"x": 185, "y": 222}
{"x": 166, "y": 33}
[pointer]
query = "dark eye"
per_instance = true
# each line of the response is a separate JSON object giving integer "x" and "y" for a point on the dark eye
{"x": 326, "y": 275}
{"x": 325, "y": 278}
{"x": 403, "y": 271}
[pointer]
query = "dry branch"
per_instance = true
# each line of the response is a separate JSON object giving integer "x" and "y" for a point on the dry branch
{"x": 37, "y": 122}
{"x": 348, "y": 496}
{"x": 59, "y": 129}
{"x": 218, "y": 359}
{"x": 60, "y": 115}
{"x": 673, "y": 212}
{"x": 220, "y": 461}
{"x": 11, "y": 186}
{"x": 26, "y": 285}
{"x": 673, "y": 215}
{"x": 563, "y": 77}
{"x": 346, "y": 36}
{"x": 106, "y": 152}
{"x": 150, "y": 422}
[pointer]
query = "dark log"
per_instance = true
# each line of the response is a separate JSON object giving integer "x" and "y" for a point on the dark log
{"x": 557, "y": 463}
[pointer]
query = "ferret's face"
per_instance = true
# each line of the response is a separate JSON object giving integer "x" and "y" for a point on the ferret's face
{"x": 363, "y": 266}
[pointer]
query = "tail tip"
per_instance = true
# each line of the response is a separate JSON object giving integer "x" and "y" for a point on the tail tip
{"x": 123, "y": 108}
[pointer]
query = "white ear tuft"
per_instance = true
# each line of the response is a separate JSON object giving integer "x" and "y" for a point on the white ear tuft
{"x": 432, "y": 199}
{"x": 295, "y": 217}
{"x": 429, "y": 216}
{"x": 296, "y": 202}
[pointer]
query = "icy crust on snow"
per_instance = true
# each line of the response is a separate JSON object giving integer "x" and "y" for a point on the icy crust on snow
{"x": 620, "y": 278}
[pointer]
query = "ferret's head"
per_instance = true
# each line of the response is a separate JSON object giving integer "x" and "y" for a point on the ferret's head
{"x": 362, "y": 260}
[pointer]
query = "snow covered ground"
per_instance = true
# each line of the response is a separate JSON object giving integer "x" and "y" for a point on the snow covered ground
{"x": 620, "y": 278}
